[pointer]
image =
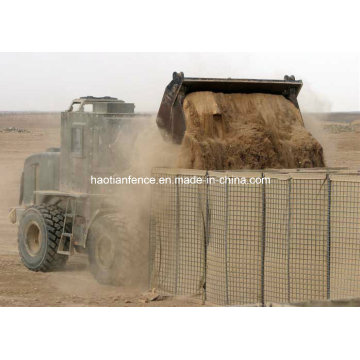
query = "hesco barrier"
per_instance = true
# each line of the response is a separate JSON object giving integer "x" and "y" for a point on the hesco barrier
{"x": 295, "y": 239}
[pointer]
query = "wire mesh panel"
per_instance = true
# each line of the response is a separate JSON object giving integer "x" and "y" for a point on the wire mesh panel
{"x": 191, "y": 192}
{"x": 177, "y": 232}
{"x": 308, "y": 237}
{"x": 163, "y": 233}
{"x": 294, "y": 239}
{"x": 345, "y": 237}
{"x": 245, "y": 228}
{"x": 217, "y": 286}
{"x": 277, "y": 238}
{"x": 234, "y": 251}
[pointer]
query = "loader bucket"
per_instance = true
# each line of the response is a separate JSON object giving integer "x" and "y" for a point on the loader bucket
{"x": 170, "y": 117}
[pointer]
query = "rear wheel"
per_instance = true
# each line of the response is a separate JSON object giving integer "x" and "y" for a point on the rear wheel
{"x": 114, "y": 250}
{"x": 40, "y": 230}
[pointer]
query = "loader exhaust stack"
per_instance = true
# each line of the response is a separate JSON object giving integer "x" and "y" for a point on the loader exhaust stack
{"x": 170, "y": 117}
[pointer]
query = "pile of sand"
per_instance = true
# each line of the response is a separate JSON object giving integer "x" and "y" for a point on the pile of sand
{"x": 245, "y": 131}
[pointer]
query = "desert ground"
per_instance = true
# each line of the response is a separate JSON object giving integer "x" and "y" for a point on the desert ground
{"x": 74, "y": 286}
{"x": 22, "y": 134}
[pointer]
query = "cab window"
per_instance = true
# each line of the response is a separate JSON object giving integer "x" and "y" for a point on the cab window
{"x": 75, "y": 106}
{"x": 88, "y": 107}
{"x": 77, "y": 140}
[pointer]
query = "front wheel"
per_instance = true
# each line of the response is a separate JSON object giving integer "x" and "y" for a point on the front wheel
{"x": 39, "y": 235}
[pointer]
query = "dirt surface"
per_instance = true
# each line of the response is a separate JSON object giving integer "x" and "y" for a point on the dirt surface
{"x": 74, "y": 286}
{"x": 341, "y": 146}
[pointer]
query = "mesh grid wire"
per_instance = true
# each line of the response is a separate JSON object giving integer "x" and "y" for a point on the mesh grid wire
{"x": 163, "y": 222}
{"x": 277, "y": 214}
{"x": 244, "y": 241}
{"x": 191, "y": 247}
{"x": 217, "y": 286}
{"x": 345, "y": 237}
{"x": 295, "y": 239}
{"x": 308, "y": 237}
{"x": 177, "y": 233}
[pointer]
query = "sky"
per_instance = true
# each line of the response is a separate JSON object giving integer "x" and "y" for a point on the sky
{"x": 49, "y": 81}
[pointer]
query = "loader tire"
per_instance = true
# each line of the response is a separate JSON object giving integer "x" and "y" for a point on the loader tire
{"x": 39, "y": 234}
{"x": 114, "y": 250}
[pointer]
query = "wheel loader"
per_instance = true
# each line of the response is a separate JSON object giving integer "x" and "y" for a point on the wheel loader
{"x": 61, "y": 212}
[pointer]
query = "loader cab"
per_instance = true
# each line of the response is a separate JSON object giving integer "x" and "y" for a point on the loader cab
{"x": 88, "y": 128}
{"x": 101, "y": 105}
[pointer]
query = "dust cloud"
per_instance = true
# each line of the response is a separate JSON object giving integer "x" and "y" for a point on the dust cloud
{"x": 315, "y": 119}
{"x": 314, "y": 123}
{"x": 139, "y": 147}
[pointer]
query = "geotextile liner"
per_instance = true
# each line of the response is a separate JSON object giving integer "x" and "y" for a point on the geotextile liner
{"x": 245, "y": 131}
{"x": 345, "y": 236}
{"x": 309, "y": 209}
{"x": 234, "y": 251}
{"x": 277, "y": 235}
{"x": 177, "y": 231}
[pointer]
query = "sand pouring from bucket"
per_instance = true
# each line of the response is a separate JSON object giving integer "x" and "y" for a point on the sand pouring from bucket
{"x": 170, "y": 117}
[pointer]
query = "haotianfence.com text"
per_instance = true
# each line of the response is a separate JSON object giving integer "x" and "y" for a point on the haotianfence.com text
{"x": 178, "y": 180}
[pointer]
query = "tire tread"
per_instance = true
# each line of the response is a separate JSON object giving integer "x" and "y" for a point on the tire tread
{"x": 54, "y": 221}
